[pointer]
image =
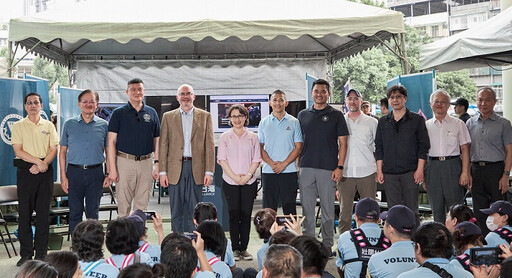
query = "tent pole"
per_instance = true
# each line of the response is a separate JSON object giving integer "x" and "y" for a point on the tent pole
{"x": 406, "y": 66}
{"x": 506, "y": 77}
{"x": 10, "y": 59}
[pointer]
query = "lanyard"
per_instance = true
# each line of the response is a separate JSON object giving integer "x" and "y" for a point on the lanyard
{"x": 126, "y": 261}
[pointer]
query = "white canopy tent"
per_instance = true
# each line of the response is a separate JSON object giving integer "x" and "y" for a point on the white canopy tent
{"x": 487, "y": 44}
{"x": 220, "y": 47}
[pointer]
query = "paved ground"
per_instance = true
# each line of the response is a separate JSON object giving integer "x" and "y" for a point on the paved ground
{"x": 9, "y": 269}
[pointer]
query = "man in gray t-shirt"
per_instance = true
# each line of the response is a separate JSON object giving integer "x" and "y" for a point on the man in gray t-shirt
{"x": 491, "y": 155}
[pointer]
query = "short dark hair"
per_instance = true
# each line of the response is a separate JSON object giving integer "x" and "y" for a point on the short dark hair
{"x": 214, "y": 238}
{"x": 281, "y": 237}
{"x": 242, "y": 111}
{"x": 65, "y": 262}
{"x": 321, "y": 82}
{"x": 284, "y": 261}
{"x": 34, "y": 94}
{"x": 462, "y": 213}
{"x": 173, "y": 237}
{"x": 397, "y": 88}
{"x": 36, "y": 269}
{"x": 205, "y": 211}
{"x": 506, "y": 268}
{"x": 122, "y": 237}
{"x": 87, "y": 240}
{"x": 96, "y": 96}
{"x": 279, "y": 92}
{"x": 384, "y": 102}
{"x": 179, "y": 259}
{"x": 135, "y": 81}
{"x": 314, "y": 254}
{"x": 434, "y": 239}
{"x": 263, "y": 220}
{"x": 139, "y": 270}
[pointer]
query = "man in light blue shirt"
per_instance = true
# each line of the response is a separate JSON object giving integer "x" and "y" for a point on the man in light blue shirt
{"x": 351, "y": 259}
{"x": 82, "y": 154}
{"x": 398, "y": 227}
{"x": 434, "y": 247}
{"x": 281, "y": 143}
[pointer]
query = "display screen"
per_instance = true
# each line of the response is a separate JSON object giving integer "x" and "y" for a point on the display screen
{"x": 256, "y": 105}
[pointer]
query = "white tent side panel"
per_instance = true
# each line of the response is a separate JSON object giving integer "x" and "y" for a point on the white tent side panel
{"x": 160, "y": 78}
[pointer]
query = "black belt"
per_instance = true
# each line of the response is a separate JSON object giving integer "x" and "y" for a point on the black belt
{"x": 85, "y": 167}
{"x": 186, "y": 158}
{"x": 485, "y": 163}
{"x": 443, "y": 158}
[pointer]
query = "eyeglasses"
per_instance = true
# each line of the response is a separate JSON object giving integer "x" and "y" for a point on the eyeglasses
{"x": 237, "y": 117}
{"x": 34, "y": 103}
{"x": 88, "y": 102}
{"x": 397, "y": 97}
{"x": 185, "y": 94}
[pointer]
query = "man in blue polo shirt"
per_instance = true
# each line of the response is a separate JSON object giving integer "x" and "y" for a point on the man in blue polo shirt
{"x": 281, "y": 142}
{"x": 82, "y": 147}
{"x": 133, "y": 133}
{"x": 325, "y": 135}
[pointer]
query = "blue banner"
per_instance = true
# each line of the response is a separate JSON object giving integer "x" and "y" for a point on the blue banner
{"x": 13, "y": 92}
{"x": 68, "y": 104}
{"x": 419, "y": 87}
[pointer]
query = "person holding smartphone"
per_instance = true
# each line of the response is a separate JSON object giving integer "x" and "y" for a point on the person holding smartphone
{"x": 239, "y": 156}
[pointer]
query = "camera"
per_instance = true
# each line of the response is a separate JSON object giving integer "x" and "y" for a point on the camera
{"x": 281, "y": 219}
{"x": 485, "y": 255}
{"x": 192, "y": 236}
{"x": 150, "y": 213}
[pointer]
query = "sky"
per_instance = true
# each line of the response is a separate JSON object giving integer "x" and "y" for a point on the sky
{"x": 10, "y": 9}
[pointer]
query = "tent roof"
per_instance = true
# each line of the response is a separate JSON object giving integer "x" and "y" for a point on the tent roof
{"x": 486, "y": 44}
{"x": 205, "y": 29}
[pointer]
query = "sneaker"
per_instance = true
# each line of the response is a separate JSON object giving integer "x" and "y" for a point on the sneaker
{"x": 236, "y": 255}
{"x": 23, "y": 260}
{"x": 245, "y": 255}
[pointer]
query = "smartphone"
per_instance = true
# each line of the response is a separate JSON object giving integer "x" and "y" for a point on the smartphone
{"x": 192, "y": 236}
{"x": 485, "y": 255}
{"x": 150, "y": 213}
{"x": 281, "y": 219}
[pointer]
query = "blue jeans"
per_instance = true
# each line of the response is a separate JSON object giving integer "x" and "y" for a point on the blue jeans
{"x": 86, "y": 184}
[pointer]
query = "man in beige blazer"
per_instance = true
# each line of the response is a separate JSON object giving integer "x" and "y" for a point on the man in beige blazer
{"x": 187, "y": 156}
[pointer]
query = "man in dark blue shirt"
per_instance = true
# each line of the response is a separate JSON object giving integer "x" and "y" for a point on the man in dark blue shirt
{"x": 401, "y": 146}
{"x": 133, "y": 133}
{"x": 325, "y": 135}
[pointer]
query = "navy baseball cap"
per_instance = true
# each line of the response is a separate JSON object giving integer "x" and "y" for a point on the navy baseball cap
{"x": 401, "y": 218}
{"x": 367, "y": 208}
{"x": 138, "y": 218}
{"x": 469, "y": 228}
{"x": 503, "y": 207}
{"x": 354, "y": 91}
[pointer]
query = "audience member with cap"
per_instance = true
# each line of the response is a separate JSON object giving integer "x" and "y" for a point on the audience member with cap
{"x": 433, "y": 246}
{"x": 399, "y": 224}
{"x": 461, "y": 108}
{"x": 457, "y": 214}
{"x": 366, "y": 108}
{"x": 122, "y": 240}
{"x": 466, "y": 236}
{"x": 356, "y": 246}
{"x": 138, "y": 218}
{"x": 498, "y": 222}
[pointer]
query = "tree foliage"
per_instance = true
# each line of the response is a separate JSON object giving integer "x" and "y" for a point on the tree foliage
{"x": 51, "y": 71}
{"x": 457, "y": 84}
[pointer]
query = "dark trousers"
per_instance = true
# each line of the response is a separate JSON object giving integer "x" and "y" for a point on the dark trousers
{"x": 86, "y": 184}
{"x": 184, "y": 194}
{"x": 401, "y": 190}
{"x": 485, "y": 190}
{"x": 240, "y": 200}
{"x": 34, "y": 194}
{"x": 280, "y": 186}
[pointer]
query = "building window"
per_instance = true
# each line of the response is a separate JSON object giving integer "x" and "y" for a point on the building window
{"x": 435, "y": 31}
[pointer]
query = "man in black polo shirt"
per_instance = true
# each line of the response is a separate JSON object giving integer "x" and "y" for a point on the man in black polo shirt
{"x": 325, "y": 145}
{"x": 133, "y": 133}
{"x": 402, "y": 144}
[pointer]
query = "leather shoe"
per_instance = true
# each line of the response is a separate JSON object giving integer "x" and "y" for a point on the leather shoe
{"x": 39, "y": 257}
{"x": 23, "y": 260}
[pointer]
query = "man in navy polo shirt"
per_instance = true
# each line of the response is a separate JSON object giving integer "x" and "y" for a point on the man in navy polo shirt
{"x": 82, "y": 147}
{"x": 281, "y": 142}
{"x": 133, "y": 133}
{"x": 325, "y": 134}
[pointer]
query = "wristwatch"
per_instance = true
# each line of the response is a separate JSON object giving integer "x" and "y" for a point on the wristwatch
{"x": 506, "y": 173}
{"x": 340, "y": 167}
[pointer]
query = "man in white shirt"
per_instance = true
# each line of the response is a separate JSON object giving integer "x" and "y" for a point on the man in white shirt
{"x": 447, "y": 171}
{"x": 360, "y": 166}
